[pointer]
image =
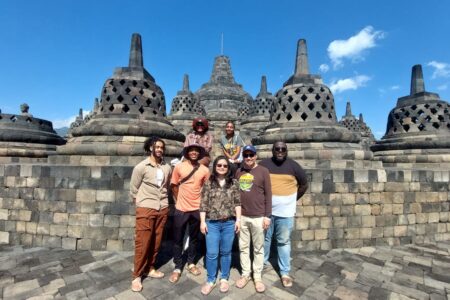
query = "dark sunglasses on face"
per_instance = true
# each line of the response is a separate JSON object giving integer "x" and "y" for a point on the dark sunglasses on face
{"x": 246, "y": 155}
{"x": 200, "y": 125}
{"x": 280, "y": 149}
{"x": 225, "y": 166}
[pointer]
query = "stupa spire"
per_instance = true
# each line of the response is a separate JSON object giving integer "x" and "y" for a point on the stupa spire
{"x": 417, "y": 83}
{"x": 136, "y": 59}
{"x": 186, "y": 83}
{"x": 361, "y": 119}
{"x": 348, "y": 110}
{"x": 301, "y": 64}
{"x": 263, "y": 89}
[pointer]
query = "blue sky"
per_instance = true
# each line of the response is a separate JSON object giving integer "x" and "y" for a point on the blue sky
{"x": 56, "y": 55}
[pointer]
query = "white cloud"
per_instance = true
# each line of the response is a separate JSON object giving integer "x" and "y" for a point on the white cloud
{"x": 352, "y": 83}
{"x": 395, "y": 87}
{"x": 324, "y": 68}
{"x": 440, "y": 69}
{"x": 59, "y": 123}
{"x": 354, "y": 47}
{"x": 442, "y": 87}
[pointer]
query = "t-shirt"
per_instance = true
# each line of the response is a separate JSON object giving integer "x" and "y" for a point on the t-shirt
{"x": 255, "y": 190}
{"x": 189, "y": 192}
{"x": 205, "y": 140}
{"x": 230, "y": 145}
{"x": 286, "y": 178}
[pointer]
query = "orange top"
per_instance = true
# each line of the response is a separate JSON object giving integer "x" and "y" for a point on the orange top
{"x": 189, "y": 193}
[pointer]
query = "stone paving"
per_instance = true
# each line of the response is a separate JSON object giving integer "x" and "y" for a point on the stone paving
{"x": 384, "y": 272}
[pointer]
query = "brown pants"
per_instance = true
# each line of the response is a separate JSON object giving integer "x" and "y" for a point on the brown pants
{"x": 149, "y": 231}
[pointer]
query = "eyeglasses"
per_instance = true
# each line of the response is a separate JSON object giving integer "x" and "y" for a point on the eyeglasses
{"x": 280, "y": 149}
{"x": 225, "y": 166}
{"x": 246, "y": 155}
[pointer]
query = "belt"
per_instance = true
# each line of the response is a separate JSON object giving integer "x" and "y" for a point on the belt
{"x": 224, "y": 219}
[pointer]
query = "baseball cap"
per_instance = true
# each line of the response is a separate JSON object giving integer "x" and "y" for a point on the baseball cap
{"x": 249, "y": 148}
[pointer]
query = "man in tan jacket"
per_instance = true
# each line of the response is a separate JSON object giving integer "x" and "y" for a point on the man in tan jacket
{"x": 149, "y": 189}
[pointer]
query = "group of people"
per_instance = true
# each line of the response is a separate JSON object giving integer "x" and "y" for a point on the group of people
{"x": 255, "y": 201}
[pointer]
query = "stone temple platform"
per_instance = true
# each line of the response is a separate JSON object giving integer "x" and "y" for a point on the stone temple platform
{"x": 401, "y": 272}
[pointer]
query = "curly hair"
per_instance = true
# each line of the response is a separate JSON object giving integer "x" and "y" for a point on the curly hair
{"x": 149, "y": 142}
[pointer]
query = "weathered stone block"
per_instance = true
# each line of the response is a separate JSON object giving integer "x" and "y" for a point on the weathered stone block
{"x": 347, "y": 210}
{"x": 100, "y": 245}
{"x": 365, "y": 233}
{"x": 351, "y": 233}
{"x": 363, "y": 210}
{"x": 308, "y": 211}
{"x": 375, "y": 209}
{"x": 69, "y": 243}
{"x": 51, "y": 241}
{"x": 326, "y": 222}
{"x": 78, "y": 219}
{"x": 96, "y": 220}
{"x": 76, "y": 231}
{"x": 126, "y": 233}
{"x": 105, "y": 196}
{"x": 348, "y": 199}
{"x": 400, "y": 230}
{"x": 30, "y": 227}
{"x": 314, "y": 223}
{"x": 397, "y": 209}
{"x": 45, "y": 217}
{"x": 24, "y": 215}
{"x": 114, "y": 245}
{"x": 354, "y": 221}
{"x": 85, "y": 196}
{"x": 43, "y": 229}
{"x": 368, "y": 221}
{"x": 4, "y": 214}
{"x": 340, "y": 222}
{"x": 58, "y": 230}
{"x": 320, "y": 211}
{"x": 128, "y": 221}
{"x": 433, "y": 217}
{"x": 4, "y": 237}
{"x": 111, "y": 221}
{"x": 84, "y": 244}
{"x": 388, "y": 231}
{"x": 60, "y": 218}
{"x": 320, "y": 234}
{"x": 301, "y": 223}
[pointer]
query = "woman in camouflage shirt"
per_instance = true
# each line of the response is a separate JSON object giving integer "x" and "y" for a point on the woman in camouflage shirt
{"x": 220, "y": 213}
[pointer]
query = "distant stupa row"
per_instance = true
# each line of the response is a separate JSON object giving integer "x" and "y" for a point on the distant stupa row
{"x": 302, "y": 113}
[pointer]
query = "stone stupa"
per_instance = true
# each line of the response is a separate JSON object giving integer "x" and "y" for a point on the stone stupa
{"x": 132, "y": 108}
{"x": 26, "y": 138}
{"x": 418, "y": 129}
{"x": 358, "y": 126}
{"x": 304, "y": 117}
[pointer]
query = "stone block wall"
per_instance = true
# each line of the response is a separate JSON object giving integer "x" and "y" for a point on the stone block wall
{"x": 88, "y": 207}
{"x": 356, "y": 208}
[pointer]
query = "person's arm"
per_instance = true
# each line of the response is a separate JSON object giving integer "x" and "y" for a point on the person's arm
{"x": 204, "y": 205}
{"x": 135, "y": 182}
{"x": 237, "y": 206}
{"x": 302, "y": 181}
{"x": 174, "y": 183}
{"x": 268, "y": 199}
{"x": 203, "y": 226}
{"x": 238, "y": 152}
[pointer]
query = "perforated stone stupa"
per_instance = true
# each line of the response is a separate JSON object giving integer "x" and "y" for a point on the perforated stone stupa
{"x": 223, "y": 98}
{"x": 304, "y": 116}
{"x": 418, "y": 129}
{"x": 132, "y": 107}
{"x": 24, "y": 136}
{"x": 358, "y": 126}
{"x": 260, "y": 114}
{"x": 185, "y": 107}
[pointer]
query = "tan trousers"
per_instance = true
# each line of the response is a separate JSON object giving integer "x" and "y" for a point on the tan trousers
{"x": 252, "y": 230}
{"x": 149, "y": 232}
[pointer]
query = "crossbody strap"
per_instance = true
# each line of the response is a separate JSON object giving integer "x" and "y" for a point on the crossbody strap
{"x": 189, "y": 175}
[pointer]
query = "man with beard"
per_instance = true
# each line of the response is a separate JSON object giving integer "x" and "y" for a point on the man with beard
{"x": 149, "y": 187}
{"x": 187, "y": 181}
{"x": 289, "y": 183}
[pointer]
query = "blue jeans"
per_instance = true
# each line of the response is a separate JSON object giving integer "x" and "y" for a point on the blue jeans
{"x": 219, "y": 240}
{"x": 282, "y": 228}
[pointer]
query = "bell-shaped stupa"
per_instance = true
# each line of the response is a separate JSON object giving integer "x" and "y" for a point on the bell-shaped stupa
{"x": 304, "y": 116}
{"x": 358, "y": 126}
{"x": 132, "y": 108}
{"x": 26, "y": 138}
{"x": 418, "y": 129}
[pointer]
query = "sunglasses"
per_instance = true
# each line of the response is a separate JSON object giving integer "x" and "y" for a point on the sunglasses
{"x": 200, "y": 125}
{"x": 225, "y": 166}
{"x": 280, "y": 149}
{"x": 246, "y": 155}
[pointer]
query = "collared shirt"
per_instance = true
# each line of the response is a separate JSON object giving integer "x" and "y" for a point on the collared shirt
{"x": 189, "y": 192}
{"x": 220, "y": 202}
{"x": 149, "y": 184}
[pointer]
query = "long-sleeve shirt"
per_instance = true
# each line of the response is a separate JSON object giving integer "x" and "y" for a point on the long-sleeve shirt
{"x": 256, "y": 191}
{"x": 149, "y": 184}
{"x": 220, "y": 202}
{"x": 289, "y": 183}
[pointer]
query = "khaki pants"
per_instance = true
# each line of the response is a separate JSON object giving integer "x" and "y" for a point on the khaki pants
{"x": 149, "y": 232}
{"x": 252, "y": 230}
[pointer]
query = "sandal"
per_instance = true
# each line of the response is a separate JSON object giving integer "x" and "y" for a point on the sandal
{"x": 242, "y": 282}
{"x": 194, "y": 270}
{"x": 207, "y": 288}
{"x": 286, "y": 280}
{"x": 175, "y": 276}
{"x": 260, "y": 287}
{"x": 136, "y": 284}
{"x": 155, "y": 274}
{"x": 224, "y": 286}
